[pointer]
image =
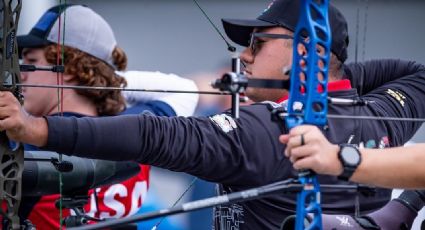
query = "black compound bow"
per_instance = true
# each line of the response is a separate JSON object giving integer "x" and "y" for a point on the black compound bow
{"x": 11, "y": 160}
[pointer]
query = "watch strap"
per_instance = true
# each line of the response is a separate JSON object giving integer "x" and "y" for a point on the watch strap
{"x": 348, "y": 170}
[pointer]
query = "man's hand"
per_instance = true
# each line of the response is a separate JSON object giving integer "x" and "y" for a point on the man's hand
{"x": 308, "y": 148}
{"x": 19, "y": 125}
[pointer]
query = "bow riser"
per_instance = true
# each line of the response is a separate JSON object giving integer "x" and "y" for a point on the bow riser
{"x": 11, "y": 160}
{"x": 308, "y": 94}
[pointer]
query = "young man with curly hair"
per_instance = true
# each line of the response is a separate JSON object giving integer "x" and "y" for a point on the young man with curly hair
{"x": 91, "y": 57}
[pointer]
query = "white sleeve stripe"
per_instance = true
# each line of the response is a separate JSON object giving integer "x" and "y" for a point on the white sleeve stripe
{"x": 182, "y": 104}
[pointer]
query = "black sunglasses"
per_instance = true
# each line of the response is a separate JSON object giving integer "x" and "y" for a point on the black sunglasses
{"x": 254, "y": 42}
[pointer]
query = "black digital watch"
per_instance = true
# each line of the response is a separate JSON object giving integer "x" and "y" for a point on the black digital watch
{"x": 350, "y": 158}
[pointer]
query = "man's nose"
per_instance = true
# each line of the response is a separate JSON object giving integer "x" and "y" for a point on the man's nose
{"x": 246, "y": 56}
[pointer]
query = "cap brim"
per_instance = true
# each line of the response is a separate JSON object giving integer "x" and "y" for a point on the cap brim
{"x": 239, "y": 30}
{"x": 30, "y": 41}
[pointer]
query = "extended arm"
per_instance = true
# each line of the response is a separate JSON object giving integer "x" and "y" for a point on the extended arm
{"x": 400, "y": 167}
{"x": 219, "y": 149}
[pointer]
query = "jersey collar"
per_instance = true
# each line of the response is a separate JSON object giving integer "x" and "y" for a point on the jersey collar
{"x": 332, "y": 86}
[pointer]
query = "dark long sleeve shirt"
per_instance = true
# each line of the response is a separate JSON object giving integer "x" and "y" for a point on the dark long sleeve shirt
{"x": 245, "y": 152}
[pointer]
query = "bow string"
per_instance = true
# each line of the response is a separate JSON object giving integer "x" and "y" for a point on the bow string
{"x": 12, "y": 154}
{"x": 307, "y": 105}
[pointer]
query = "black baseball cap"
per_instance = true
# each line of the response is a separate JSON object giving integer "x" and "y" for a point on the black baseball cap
{"x": 285, "y": 13}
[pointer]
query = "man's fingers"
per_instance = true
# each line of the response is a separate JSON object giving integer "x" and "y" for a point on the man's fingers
{"x": 294, "y": 142}
{"x": 284, "y": 138}
{"x": 299, "y": 136}
{"x": 6, "y": 98}
{"x": 298, "y": 130}
{"x": 8, "y": 110}
{"x": 301, "y": 152}
{"x": 301, "y": 139}
{"x": 304, "y": 163}
{"x": 5, "y": 125}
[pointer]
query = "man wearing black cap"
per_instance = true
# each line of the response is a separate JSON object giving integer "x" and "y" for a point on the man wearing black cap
{"x": 269, "y": 42}
{"x": 245, "y": 152}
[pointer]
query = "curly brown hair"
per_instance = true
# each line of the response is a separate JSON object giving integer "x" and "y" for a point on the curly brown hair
{"x": 91, "y": 71}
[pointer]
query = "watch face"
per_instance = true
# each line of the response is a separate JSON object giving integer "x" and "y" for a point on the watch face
{"x": 350, "y": 156}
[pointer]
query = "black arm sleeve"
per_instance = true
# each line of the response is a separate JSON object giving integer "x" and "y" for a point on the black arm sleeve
{"x": 370, "y": 75}
{"x": 218, "y": 149}
{"x": 402, "y": 97}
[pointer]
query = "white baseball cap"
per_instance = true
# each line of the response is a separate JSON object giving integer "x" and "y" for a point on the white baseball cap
{"x": 84, "y": 30}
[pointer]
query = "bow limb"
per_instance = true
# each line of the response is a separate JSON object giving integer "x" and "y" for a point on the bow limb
{"x": 12, "y": 160}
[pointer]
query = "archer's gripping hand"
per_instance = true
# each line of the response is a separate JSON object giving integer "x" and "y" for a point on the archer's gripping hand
{"x": 18, "y": 124}
{"x": 316, "y": 153}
